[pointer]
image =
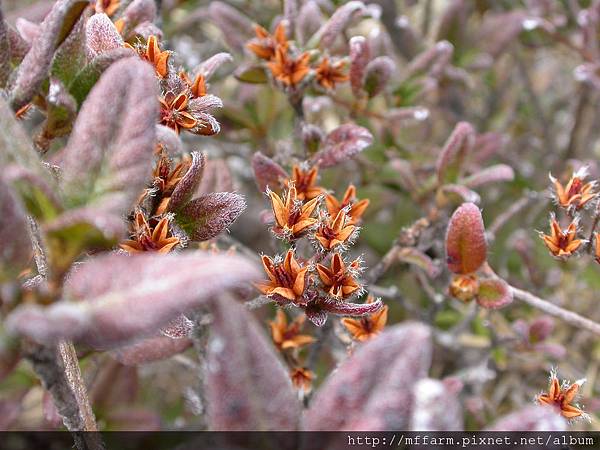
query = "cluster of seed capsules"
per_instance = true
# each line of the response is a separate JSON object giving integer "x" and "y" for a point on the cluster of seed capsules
{"x": 307, "y": 218}
{"x": 578, "y": 200}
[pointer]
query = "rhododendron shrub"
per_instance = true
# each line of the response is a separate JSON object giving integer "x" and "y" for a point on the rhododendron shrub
{"x": 306, "y": 216}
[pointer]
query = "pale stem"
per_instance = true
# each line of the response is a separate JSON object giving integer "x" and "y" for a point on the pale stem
{"x": 556, "y": 311}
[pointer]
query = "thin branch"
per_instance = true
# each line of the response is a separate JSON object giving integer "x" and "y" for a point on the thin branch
{"x": 58, "y": 369}
{"x": 556, "y": 311}
{"x": 257, "y": 302}
{"x": 200, "y": 339}
{"x": 512, "y": 211}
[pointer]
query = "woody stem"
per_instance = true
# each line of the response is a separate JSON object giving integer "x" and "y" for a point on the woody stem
{"x": 58, "y": 369}
{"x": 593, "y": 228}
{"x": 556, "y": 311}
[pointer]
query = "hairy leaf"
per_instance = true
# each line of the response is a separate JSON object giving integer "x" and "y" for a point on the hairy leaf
{"x": 35, "y": 66}
{"x": 88, "y": 75}
{"x": 212, "y": 64}
{"x": 236, "y": 27}
{"x": 5, "y": 68}
{"x": 494, "y": 294}
{"x": 61, "y": 109}
{"x": 338, "y": 22}
{"x": 457, "y": 147}
{"x": 151, "y": 349}
{"x": 359, "y": 58}
{"x": 16, "y": 250}
{"x": 109, "y": 155}
{"x": 530, "y": 418}
{"x": 188, "y": 185}
{"x": 377, "y": 74}
{"x": 247, "y": 387}
{"x": 254, "y": 74}
{"x": 493, "y": 174}
{"x": 205, "y": 217}
{"x": 115, "y": 299}
{"x": 101, "y": 35}
{"x": 267, "y": 173}
{"x": 369, "y": 397}
{"x": 343, "y": 143}
{"x": 466, "y": 248}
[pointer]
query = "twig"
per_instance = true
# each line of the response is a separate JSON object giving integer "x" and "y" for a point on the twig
{"x": 58, "y": 369}
{"x": 556, "y": 311}
{"x": 382, "y": 266}
{"x": 579, "y": 123}
{"x": 200, "y": 339}
{"x": 257, "y": 302}
{"x": 512, "y": 211}
{"x": 39, "y": 255}
{"x": 588, "y": 244}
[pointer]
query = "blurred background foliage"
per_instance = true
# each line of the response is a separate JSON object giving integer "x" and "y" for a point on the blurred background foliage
{"x": 514, "y": 72}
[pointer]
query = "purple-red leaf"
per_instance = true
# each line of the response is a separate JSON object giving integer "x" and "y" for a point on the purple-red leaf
{"x": 359, "y": 58}
{"x": 267, "y": 173}
{"x": 87, "y": 77}
{"x": 236, "y": 28}
{"x": 35, "y": 66}
{"x": 101, "y": 35}
{"x": 339, "y": 21}
{"x": 247, "y": 387}
{"x": 151, "y": 349}
{"x": 466, "y": 248}
{"x": 494, "y": 293}
{"x": 216, "y": 178}
{"x": 531, "y": 418}
{"x": 205, "y": 217}
{"x": 212, "y": 64}
{"x": 115, "y": 299}
{"x": 16, "y": 250}
{"x": 343, "y": 143}
{"x": 187, "y": 186}
{"x": 15, "y": 145}
{"x": 456, "y": 194}
{"x": 344, "y": 308}
{"x": 5, "y": 67}
{"x": 493, "y": 174}
{"x": 359, "y": 395}
{"x": 169, "y": 141}
{"x": 377, "y": 74}
{"x": 139, "y": 11}
{"x": 109, "y": 155}
{"x": 457, "y": 147}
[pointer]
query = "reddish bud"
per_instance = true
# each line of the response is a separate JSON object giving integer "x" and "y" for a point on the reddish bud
{"x": 466, "y": 248}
